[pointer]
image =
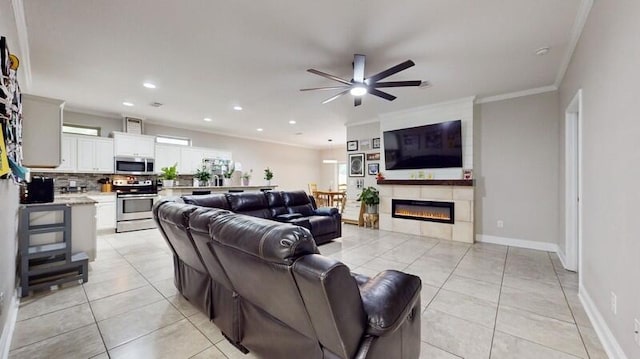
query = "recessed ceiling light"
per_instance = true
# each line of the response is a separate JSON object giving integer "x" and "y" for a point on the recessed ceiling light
{"x": 237, "y": 108}
{"x": 292, "y": 122}
{"x": 129, "y": 104}
{"x": 207, "y": 119}
{"x": 259, "y": 130}
{"x": 149, "y": 85}
{"x": 358, "y": 91}
{"x": 542, "y": 51}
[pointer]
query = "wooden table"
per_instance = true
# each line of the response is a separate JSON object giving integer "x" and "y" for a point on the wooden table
{"x": 331, "y": 197}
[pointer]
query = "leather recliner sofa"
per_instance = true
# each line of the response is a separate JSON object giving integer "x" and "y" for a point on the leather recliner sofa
{"x": 271, "y": 292}
{"x": 294, "y": 207}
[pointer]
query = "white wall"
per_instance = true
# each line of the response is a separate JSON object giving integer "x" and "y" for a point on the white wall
{"x": 605, "y": 67}
{"x": 293, "y": 167}
{"x": 516, "y": 168}
{"x": 106, "y": 123}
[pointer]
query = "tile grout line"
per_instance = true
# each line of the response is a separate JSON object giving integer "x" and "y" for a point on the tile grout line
{"x": 495, "y": 320}
{"x": 96, "y": 322}
{"x": 575, "y": 322}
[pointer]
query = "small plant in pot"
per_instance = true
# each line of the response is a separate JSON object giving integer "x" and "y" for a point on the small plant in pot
{"x": 202, "y": 177}
{"x": 228, "y": 173}
{"x": 169, "y": 174}
{"x": 246, "y": 177}
{"x": 371, "y": 198}
{"x": 268, "y": 175}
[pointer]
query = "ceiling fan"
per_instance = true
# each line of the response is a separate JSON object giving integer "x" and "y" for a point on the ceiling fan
{"x": 359, "y": 85}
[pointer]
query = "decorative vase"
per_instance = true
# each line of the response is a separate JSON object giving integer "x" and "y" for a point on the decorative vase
{"x": 268, "y": 182}
{"x": 245, "y": 181}
{"x": 167, "y": 183}
{"x": 196, "y": 182}
{"x": 372, "y": 208}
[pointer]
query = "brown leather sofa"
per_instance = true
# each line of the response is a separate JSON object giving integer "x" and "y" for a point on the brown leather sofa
{"x": 294, "y": 207}
{"x": 271, "y": 292}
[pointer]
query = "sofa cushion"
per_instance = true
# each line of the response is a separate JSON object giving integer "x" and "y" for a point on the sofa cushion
{"x": 249, "y": 203}
{"x": 322, "y": 224}
{"x": 276, "y": 203}
{"x": 298, "y": 202}
{"x": 217, "y": 200}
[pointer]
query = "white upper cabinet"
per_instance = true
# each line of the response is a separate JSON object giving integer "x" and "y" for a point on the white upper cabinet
{"x": 166, "y": 156}
{"x": 130, "y": 145}
{"x": 190, "y": 160}
{"x": 68, "y": 158}
{"x": 95, "y": 155}
{"x": 42, "y": 132}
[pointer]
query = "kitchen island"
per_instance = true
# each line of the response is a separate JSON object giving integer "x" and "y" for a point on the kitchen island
{"x": 188, "y": 190}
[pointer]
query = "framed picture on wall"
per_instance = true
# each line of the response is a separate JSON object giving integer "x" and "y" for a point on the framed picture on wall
{"x": 365, "y": 145}
{"x": 373, "y": 168}
{"x": 373, "y": 156}
{"x": 352, "y": 145}
{"x": 375, "y": 143}
{"x": 356, "y": 165}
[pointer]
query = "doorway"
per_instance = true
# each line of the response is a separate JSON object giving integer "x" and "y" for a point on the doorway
{"x": 572, "y": 258}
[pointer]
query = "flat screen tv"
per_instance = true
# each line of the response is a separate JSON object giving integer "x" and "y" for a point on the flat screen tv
{"x": 437, "y": 145}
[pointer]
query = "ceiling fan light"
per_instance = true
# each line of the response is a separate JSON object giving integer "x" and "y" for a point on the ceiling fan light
{"x": 358, "y": 90}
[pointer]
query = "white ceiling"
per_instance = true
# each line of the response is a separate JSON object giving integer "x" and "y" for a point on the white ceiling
{"x": 207, "y": 56}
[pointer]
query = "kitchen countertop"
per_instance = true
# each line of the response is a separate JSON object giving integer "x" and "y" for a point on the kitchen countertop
{"x": 71, "y": 201}
{"x": 217, "y": 187}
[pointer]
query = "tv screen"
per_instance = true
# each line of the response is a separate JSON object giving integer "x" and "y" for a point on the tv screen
{"x": 432, "y": 146}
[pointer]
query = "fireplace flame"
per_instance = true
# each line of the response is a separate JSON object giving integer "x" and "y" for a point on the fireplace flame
{"x": 423, "y": 214}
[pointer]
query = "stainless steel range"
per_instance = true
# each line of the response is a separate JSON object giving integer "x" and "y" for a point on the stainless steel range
{"x": 134, "y": 204}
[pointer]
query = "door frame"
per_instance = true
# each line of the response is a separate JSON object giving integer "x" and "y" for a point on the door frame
{"x": 572, "y": 256}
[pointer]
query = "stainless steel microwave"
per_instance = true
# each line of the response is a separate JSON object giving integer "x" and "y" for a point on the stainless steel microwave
{"x": 134, "y": 165}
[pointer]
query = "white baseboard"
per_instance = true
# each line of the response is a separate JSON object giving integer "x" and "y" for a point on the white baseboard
{"x": 609, "y": 342}
{"x": 521, "y": 243}
{"x": 563, "y": 258}
{"x": 9, "y": 326}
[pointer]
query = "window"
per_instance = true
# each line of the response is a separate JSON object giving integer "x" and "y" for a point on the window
{"x": 81, "y": 130}
{"x": 174, "y": 140}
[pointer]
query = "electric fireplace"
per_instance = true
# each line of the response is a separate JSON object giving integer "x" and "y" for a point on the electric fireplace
{"x": 432, "y": 211}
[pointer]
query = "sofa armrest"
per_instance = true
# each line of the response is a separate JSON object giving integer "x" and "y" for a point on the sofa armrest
{"x": 287, "y": 217}
{"x": 388, "y": 298}
{"x": 301, "y": 222}
{"x": 326, "y": 211}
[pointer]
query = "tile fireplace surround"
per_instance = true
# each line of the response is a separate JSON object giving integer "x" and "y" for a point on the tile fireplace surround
{"x": 460, "y": 192}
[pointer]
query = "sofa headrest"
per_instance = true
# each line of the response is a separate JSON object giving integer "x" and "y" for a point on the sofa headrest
{"x": 275, "y": 242}
{"x": 247, "y": 201}
{"x": 295, "y": 198}
{"x": 216, "y": 200}
{"x": 274, "y": 199}
{"x": 200, "y": 218}
{"x": 174, "y": 213}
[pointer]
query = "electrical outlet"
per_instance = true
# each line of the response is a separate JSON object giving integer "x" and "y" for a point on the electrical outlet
{"x": 500, "y": 223}
{"x": 637, "y": 332}
{"x": 614, "y": 303}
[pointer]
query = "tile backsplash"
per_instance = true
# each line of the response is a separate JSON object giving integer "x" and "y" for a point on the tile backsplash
{"x": 89, "y": 180}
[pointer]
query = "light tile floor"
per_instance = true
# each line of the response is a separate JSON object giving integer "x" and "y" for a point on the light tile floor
{"x": 479, "y": 301}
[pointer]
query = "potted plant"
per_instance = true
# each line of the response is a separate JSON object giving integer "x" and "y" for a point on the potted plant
{"x": 371, "y": 198}
{"x": 228, "y": 172}
{"x": 169, "y": 174}
{"x": 246, "y": 177}
{"x": 268, "y": 175}
{"x": 202, "y": 177}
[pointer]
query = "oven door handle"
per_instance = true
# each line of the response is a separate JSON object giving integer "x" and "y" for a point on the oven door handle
{"x": 137, "y": 196}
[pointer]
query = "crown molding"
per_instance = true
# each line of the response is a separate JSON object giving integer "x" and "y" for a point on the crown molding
{"x": 23, "y": 42}
{"x": 507, "y": 96}
{"x": 576, "y": 32}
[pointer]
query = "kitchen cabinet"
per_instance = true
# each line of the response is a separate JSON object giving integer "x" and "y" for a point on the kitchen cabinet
{"x": 68, "y": 158}
{"x": 131, "y": 145}
{"x": 166, "y": 156}
{"x": 41, "y": 132}
{"x": 105, "y": 212}
{"x": 95, "y": 155}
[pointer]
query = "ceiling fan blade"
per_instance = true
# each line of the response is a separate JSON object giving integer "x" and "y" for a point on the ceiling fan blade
{"x": 384, "y": 95}
{"x": 396, "y": 84}
{"x": 326, "y": 88}
{"x": 358, "y": 68}
{"x": 357, "y": 101}
{"x": 390, "y": 71}
{"x": 336, "y": 96}
{"x": 329, "y": 76}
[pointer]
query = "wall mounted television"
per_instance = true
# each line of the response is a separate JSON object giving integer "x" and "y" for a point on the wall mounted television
{"x": 436, "y": 145}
